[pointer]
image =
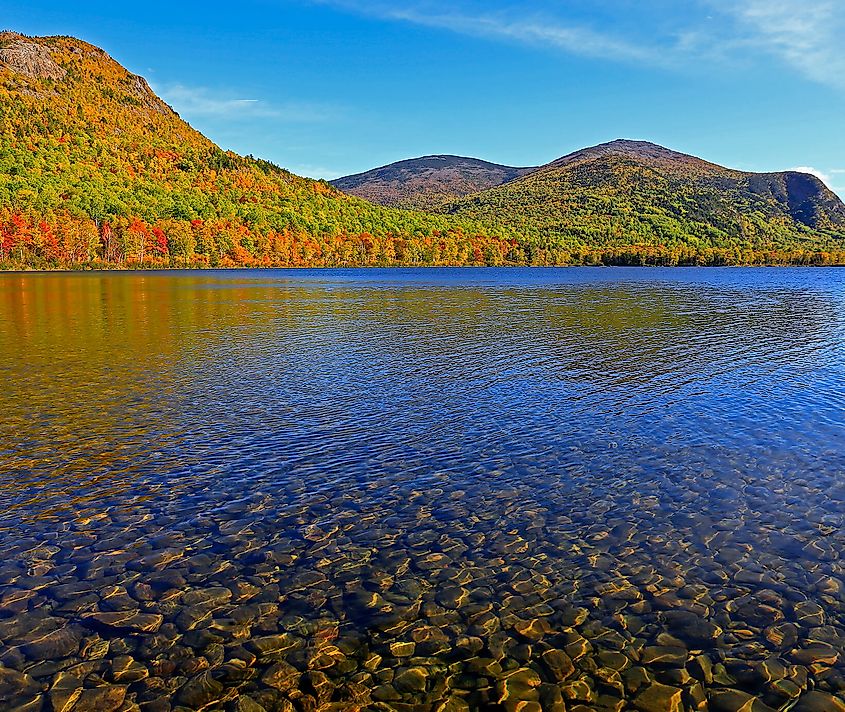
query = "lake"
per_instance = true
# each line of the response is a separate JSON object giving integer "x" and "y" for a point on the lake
{"x": 434, "y": 489}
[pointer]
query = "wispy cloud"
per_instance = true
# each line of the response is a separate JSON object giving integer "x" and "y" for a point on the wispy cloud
{"x": 831, "y": 177}
{"x": 837, "y": 181}
{"x": 537, "y": 29}
{"x": 569, "y": 37}
{"x": 201, "y": 102}
{"x": 806, "y": 34}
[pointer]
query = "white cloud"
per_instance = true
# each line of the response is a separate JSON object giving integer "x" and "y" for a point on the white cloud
{"x": 823, "y": 177}
{"x": 311, "y": 171}
{"x": 202, "y": 102}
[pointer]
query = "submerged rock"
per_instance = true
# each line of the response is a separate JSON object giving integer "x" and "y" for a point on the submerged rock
{"x": 124, "y": 668}
{"x": 519, "y": 685}
{"x": 58, "y": 643}
{"x": 128, "y": 621}
{"x": 558, "y": 664}
{"x": 818, "y": 701}
{"x": 659, "y": 698}
{"x": 281, "y": 676}
{"x": 101, "y": 699}
{"x": 664, "y": 655}
{"x": 410, "y": 680}
{"x": 16, "y": 687}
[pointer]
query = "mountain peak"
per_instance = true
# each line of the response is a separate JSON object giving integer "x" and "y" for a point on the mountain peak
{"x": 427, "y": 181}
{"x": 629, "y": 148}
{"x": 437, "y": 161}
{"x": 647, "y": 175}
{"x": 73, "y": 61}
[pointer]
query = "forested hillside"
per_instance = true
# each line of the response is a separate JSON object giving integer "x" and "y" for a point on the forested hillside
{"x": 94, "y": 168}
{"x": 634, "y": 192}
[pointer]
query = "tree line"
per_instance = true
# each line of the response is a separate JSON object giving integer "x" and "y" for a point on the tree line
{"x": 70, "y": 242}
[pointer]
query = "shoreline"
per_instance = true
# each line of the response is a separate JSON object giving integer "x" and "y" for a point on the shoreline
{"x": 301, "y": 268}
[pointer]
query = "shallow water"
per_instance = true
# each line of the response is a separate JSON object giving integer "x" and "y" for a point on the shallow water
{"x": 493, "y": 489}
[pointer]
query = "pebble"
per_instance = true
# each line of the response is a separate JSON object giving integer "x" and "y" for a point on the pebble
{"x": 664, "y": 655}
{"x": 402, "y": 649}
{"x": 101, "y": 699}
{"x": 558, "y": 664}
{"x": 410, "y": 680}
{"x": 442, "y": 600}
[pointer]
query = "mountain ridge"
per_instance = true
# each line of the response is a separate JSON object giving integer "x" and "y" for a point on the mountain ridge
{"x": 96, "y": 170}
{"x": 747, "y": 202}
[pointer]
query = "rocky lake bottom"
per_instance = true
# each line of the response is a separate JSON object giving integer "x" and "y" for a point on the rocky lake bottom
{"x": 423, "y": 490}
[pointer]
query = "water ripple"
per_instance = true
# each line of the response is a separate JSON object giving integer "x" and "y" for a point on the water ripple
{"x": 423, "y": 489}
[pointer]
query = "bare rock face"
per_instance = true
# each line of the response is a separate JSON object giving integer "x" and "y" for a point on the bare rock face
{"x": 142, "y": 91}
{"x": 30, "y": 59}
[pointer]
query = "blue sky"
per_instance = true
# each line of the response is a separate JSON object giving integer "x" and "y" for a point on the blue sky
{"x": 332, "y": 87}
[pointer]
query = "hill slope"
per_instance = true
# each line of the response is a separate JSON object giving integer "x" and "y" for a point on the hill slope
{"x": 636, "y": 192}
{"x": 428, "y": 182}
{"x": 95, "y": 167}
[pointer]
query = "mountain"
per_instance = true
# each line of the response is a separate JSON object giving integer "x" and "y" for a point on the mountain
{"x": 428, "y": 182}
{"x": 635, "y": 193}
{"x": 626, "y": 192}
{"x": 802, "y": 197}
{"x": 95, "y": 168}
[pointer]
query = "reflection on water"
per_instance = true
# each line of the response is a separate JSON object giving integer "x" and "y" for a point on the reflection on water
{"x": 423, "y": 490}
